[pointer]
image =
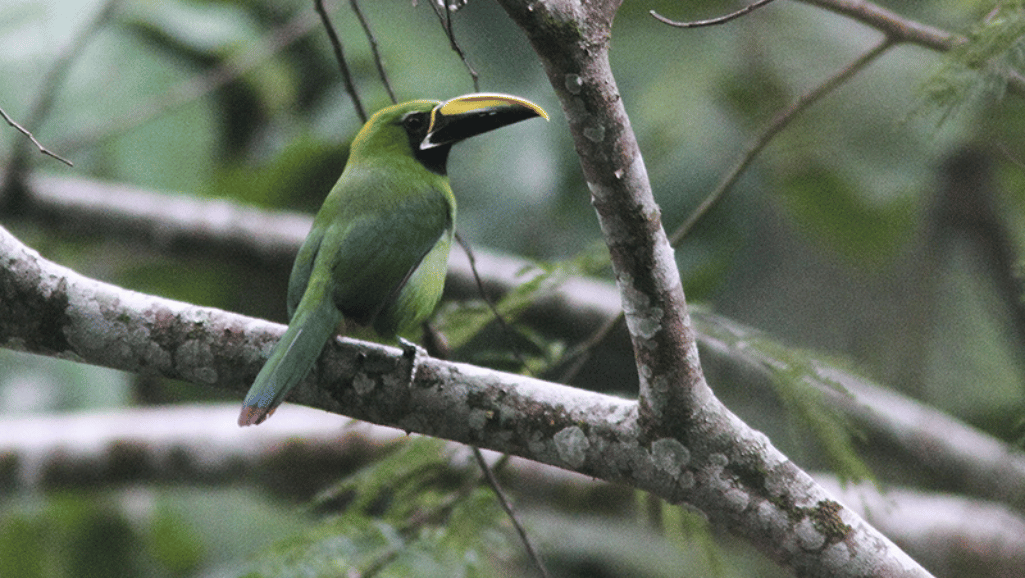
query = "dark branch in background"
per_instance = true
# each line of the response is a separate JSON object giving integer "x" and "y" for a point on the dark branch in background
{"x": 782, "y": 120}
{"x": 336, "y": 44}
{"x": 203, "y": 83}
{"x": 444, "y": 15}
{"x": 966, "y": 209}
{"x": 32, "y": 138}
{"x": 372, "y": 40}
{"x": 711, "y": 21}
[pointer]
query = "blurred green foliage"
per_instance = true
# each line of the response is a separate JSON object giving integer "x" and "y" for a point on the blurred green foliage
{"x": 243, "y": 100}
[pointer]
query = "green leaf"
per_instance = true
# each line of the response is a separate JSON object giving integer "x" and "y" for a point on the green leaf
{"x": 406, "y": 515}
{"x": 173, "y": 544}
{"x": 464, "y": 322}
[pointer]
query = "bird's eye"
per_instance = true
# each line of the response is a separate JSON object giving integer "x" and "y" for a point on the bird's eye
{"x": 413, "y": 123}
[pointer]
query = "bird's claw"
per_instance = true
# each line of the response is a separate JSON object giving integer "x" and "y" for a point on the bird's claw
{"x": 412, "y": 352}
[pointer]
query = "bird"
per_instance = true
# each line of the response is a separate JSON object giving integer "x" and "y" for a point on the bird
{"x": 377, "y": 252}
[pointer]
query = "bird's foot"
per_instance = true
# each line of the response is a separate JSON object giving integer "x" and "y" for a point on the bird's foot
{"x": 410, "y": 350}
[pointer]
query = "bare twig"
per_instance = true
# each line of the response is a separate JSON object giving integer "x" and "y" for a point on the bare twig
{"x": 336, "y": 43}
{"x": 32, "y": 138}
{"x": 712, "y": 21}
{"x": 378, "y": 61}
{"x": 506, "y": 330}
{"x": 445, "y": 18}
{"x": 781, "y": 121}
{"x": 893, "y": 25}
{"x": 503, "y": 500}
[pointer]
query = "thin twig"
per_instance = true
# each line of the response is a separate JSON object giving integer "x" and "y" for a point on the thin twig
{"x": 894, "y": 26}
{"x": 503, "y": 500}
{"x": 445, "y": 18}
{"x": 378, "y": 61}
{"x": 582, "y": 352}
{"x": 781, "y": 121}
{"x": 336, "y": 43}
{"x": 711, "y": 21}
{"x": 32, "y": 138}
{"x": 489, "y": 474}
{"x": 506, "y": 329}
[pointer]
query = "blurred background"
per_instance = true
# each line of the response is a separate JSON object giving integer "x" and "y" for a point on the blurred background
{"x": 881, "y": 227}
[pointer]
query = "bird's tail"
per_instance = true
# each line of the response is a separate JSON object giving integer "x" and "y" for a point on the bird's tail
{"x": 314, "y": 323}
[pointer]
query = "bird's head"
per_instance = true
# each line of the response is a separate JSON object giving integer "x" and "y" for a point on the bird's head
{"x": 427, "y": 129}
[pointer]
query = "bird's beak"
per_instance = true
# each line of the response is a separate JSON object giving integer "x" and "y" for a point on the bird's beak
{"x": 472, "y": 114}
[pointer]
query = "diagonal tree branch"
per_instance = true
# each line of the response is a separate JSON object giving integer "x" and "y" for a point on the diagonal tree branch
{"x": 896, "y": 27}
{"x": 675, "y": 402}
{"x": 671, "y": 384}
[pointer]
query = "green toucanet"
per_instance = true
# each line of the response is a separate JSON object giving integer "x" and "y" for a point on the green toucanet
{"x": 378, "y": 250}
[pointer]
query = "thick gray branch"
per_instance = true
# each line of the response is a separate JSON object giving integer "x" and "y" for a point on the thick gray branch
{"x": 572, "y": 42}
{"x": 720, "y": 466}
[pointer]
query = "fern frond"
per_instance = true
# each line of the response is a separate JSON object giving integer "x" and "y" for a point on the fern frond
{"x": 980, "y": 68}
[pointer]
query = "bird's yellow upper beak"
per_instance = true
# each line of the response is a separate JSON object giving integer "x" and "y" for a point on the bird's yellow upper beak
{"x": 484, "y": 100}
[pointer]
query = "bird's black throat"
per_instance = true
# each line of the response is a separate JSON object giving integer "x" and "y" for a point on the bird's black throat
{"x": 433, "y": 159}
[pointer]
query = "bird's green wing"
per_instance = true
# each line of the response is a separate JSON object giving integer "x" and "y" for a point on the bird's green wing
{"x": 302, "y": 267}
{"x": 373, "y": 256}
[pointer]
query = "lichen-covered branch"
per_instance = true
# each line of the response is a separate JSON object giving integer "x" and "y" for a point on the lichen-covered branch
{"x": 732, "y": 473}
{"x": 983, "y": 466}
{"x": 572, "y": 41}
